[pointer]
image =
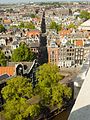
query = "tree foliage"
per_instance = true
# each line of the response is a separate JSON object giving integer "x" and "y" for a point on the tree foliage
{"x": 27, "y": 25}
{"x": 72, "y": 25}
{"x": 32, "y": 16}
{"x": 2, "y": 28}
{"x": 23, "y": 53}
{"x": 54, "y": 25}
{"x": 2, "y": 59}
{"x": 16, "y": 94}
{"x": 19, "y": 94}
{"x": 50, "y": 90}
{"x": 84, "y": 14}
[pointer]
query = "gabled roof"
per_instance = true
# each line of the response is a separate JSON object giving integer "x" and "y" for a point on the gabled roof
{"x": 33, "y": 32}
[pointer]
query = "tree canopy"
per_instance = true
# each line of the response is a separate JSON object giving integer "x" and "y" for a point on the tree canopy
{"x": 2, "y": 28}
{"x": 28, "y": 25}
{"x": 19, "y": 94}
{"x": 84, "y": 14}
{"x": 32, "y": 15}
{"x": 72, "y": 25}
{"x": 54, "y": 25}
{"x": 50, "y": 90}
{"x": 16, "y": 94}
{"x": 2, "y": 59}
{"x": 23, "y": 53}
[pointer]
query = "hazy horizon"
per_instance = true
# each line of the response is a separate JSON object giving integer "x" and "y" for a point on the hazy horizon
{"x": 27, "y": 1}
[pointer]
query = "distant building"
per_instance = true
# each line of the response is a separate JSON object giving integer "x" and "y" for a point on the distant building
{"x": 65, "y": 56}
{"x": 14, "y": 45}
{"x": 53, "y": 53}
{"x": 7, "y": 21}
{"x": 79, "y": 55}
{"x": 2, "y": 42}
{"x": 65, "y": 32}
{"x": 79, "y": 51}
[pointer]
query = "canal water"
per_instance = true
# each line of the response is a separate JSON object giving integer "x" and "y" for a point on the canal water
{"x": 62, "y": 116}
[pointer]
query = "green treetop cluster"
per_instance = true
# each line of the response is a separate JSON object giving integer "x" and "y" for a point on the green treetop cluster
{"x": 28, "y": 25}
{"x": 72, "y": 25}
{"x": 2, "y": 28}
{"x": 54, "y": 25}
{"x": 23, "y": 53}
{"x": 50, "y": 90}
{"x": 19, "y": 94}
{"x": 84, "y": 14}
{"x": 16, "y": 94}
{"x": 2, "y": 59}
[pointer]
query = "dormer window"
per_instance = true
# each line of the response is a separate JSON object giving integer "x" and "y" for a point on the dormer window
{"x": 53, "y": 44}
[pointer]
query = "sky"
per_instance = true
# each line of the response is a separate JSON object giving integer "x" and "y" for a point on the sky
{"x": 19, "y": 1}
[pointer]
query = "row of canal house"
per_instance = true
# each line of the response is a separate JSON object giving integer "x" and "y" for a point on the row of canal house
{"x": 63, "y": 53}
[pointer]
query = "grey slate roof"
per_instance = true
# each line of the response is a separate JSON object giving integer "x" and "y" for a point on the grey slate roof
{"x": 5, "y": 76}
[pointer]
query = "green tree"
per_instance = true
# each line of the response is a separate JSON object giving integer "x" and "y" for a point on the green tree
{"x": 32, "y": 15}
{"x": 84, "y": 14}
{"x": 2, "y": 28}
{"x": 72, "y": 25}
{"x": 2, "y": 59}
{"x": 16, "y": 93}
{"x": 13, "y": 26}
{"x": 19, "y": 94}
{"x": 21, "y": 25}
{"x": 23, "y": 53}
{"x": 27, "y": 25}
{"x": 58, "y": 93}
{"x": 54, "y": 25}
{"x": 50, "y": 90}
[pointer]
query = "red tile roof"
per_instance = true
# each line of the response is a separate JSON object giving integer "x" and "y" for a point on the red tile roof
{"x": 8, "y": 70}
{"x": 33, "y": 32}
{"x": 79, "y": 43}
{"x": 64, "y": 32}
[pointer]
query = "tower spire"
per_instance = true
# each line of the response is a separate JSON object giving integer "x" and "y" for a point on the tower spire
{"x": 43, "y": 25}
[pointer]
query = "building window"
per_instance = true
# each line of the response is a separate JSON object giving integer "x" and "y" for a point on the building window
{"x": 81, "y": 53}
{"x": 76, "y": 57}
{"x": 76, "y": 49}
{"x": 82, "y": 49}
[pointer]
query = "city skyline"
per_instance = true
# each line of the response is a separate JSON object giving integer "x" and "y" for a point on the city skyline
{"x": 27, "y": 1}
